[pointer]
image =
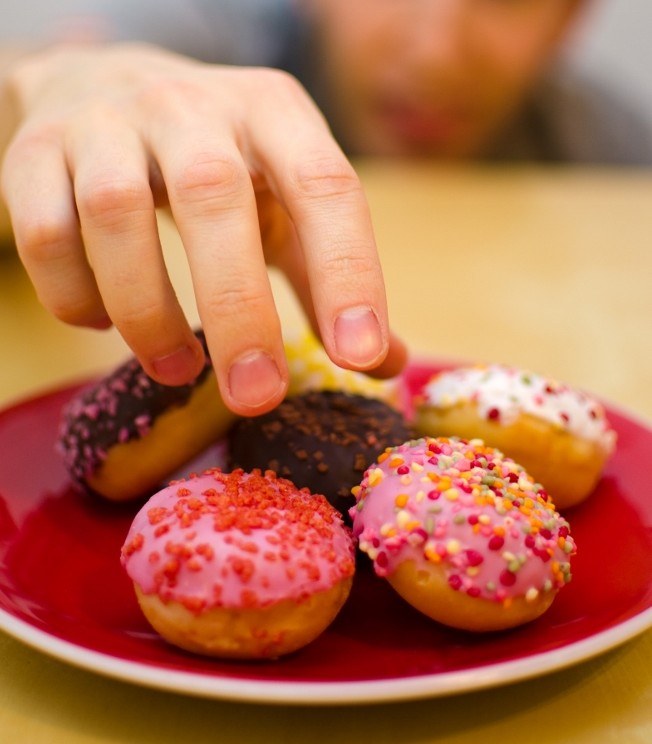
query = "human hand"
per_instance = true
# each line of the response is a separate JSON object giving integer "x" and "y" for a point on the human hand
{"x": 251, "y": 174}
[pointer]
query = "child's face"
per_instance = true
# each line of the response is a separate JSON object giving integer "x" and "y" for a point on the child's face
{"x": 432, "y": 77}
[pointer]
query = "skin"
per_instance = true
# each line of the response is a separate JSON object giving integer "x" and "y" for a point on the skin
{"x": 104, "y": 135}
{"x": 432, "y": 77}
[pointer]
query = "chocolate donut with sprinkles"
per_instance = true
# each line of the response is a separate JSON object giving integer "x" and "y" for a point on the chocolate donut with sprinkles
{"x": 462, "y": 533}
{"x": 125, "y": 435}
{"x": 322, "y": 440}
{"x": 239, "y": 565}
{"x": 560, "y": 435}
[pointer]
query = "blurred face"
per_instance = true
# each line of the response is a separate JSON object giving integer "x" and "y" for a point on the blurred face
{"x": 435, "y": 77}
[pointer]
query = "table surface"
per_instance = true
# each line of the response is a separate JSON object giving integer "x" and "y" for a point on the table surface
{"x": 547, "y": 269}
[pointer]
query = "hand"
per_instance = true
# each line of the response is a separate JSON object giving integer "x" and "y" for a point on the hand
{"x": 251, "y": 174}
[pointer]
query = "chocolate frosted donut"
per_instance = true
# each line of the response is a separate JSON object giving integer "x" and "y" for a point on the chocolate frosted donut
{"x": 122, "y": 436}
{"x": 322, "y": 440}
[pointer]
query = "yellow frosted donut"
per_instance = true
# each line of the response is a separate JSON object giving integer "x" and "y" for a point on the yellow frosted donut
{"x": 311, "y": 369}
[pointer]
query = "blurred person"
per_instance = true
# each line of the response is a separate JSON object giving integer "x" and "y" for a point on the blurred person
{"x": 240, "y": 116}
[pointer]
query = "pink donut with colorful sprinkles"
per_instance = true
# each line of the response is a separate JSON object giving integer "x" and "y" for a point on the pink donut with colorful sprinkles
{"x": 463, "y": 533}
{"x": 239, "y": 565}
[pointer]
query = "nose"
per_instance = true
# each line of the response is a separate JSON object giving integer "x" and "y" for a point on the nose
{"x": 435, "y": 32}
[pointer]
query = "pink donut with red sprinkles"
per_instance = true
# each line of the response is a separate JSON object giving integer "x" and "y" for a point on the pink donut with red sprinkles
{"x": 463, "y": 533}
{"x": 239, "y": 565}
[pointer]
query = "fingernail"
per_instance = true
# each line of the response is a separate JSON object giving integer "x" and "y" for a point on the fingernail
{"x": 254, "y": 379}
{"x": 358, "y": 338}
{"x": 175, "y": 368}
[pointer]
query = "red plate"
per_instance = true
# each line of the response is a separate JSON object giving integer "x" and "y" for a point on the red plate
{"x": 63, "y": 591}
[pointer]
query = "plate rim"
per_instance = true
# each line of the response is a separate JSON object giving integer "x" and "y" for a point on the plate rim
{"x": 340, "y": 692}
{"x": 304, "y": 692}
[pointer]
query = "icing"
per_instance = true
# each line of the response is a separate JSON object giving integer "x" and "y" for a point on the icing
{"x": 502, "y": 393}
{"x": 311, "y": 368}
{"x": 236, "y": 540}
{"x": 322, "y": 440}
{"x": 467, "y": 508}
{"x": 119, "y": 408}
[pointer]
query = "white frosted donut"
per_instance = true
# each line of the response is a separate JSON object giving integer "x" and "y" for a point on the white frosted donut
{"x": 560, "y": 435}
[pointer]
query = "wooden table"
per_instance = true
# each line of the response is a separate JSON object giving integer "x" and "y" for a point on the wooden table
{"x": 548, "y": 270}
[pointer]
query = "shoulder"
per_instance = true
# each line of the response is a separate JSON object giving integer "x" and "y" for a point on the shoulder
{"x": 570, "y": 118}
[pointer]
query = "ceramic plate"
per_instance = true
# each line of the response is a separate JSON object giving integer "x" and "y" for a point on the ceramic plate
{"x": 63, "y": 591}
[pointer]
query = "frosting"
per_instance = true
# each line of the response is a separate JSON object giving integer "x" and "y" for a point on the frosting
{"x": 502, "y": 393}
{"x": 236, "y": 540}
{"x": 117, "y": 409}
{"x": 312, "y": 369}
{"x": 467, "y": 508}
{"x": 320, "y": 440}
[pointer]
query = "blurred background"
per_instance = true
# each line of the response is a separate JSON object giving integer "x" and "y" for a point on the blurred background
{"x": 612, "y": 44}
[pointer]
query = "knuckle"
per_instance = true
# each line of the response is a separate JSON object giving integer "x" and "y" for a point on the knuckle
{"x": 43, "y": 241}
{"x": 238, "y": 300}
{"x": 170, "y": 95}
{"x": 274, "y": 82}
{"x": 325, "y": 176}
{"x": 350, "y": 260}
{"x": 135, "y": 315}
{"x": 211, "y": 176}
{"x": 108, "y": 201}
{"x": 75, "y": 311}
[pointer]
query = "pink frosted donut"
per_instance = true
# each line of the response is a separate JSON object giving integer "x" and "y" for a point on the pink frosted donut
{"x": 239, "y": 565}
{"x": 462, "y": 533}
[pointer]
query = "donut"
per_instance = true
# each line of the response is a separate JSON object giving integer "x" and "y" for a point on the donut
{"x": 239, "y": 565}
{"x": 561, "y": 436}
{"x": 125, "y": 435}
{"x": 320, "y": 440}
{"x": 462, "y": 533}
{"x": 310, "y": 368}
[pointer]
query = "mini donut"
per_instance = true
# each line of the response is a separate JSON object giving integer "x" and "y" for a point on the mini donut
{"x": 561, "y": 436}
{"x": 320, "y": 440}
{"x": 125, "y": 435}
{"x": 462, "y": 533}
{"x": 239, "y": 565}
{"x": 311, "y": 368}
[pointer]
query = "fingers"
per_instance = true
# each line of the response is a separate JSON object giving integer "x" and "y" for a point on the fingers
{"x": 290, "y": 261}
{"x": 323, "y": 196}
{"x": 38, "y": 193}
{"x": 214, "y": 207}
{"x": 83, "y": 206}
{"x": 118, "y": 224}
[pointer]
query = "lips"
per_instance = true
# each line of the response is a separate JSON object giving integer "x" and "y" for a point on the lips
{"x": 424, "y": 126}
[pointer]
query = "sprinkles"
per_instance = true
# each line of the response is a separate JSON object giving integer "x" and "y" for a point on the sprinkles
{"x": 469, "y": 509}
{"x": 501, "y": 393}
{"x": 117, "y": 409}
{"x": 236, "y": 539}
